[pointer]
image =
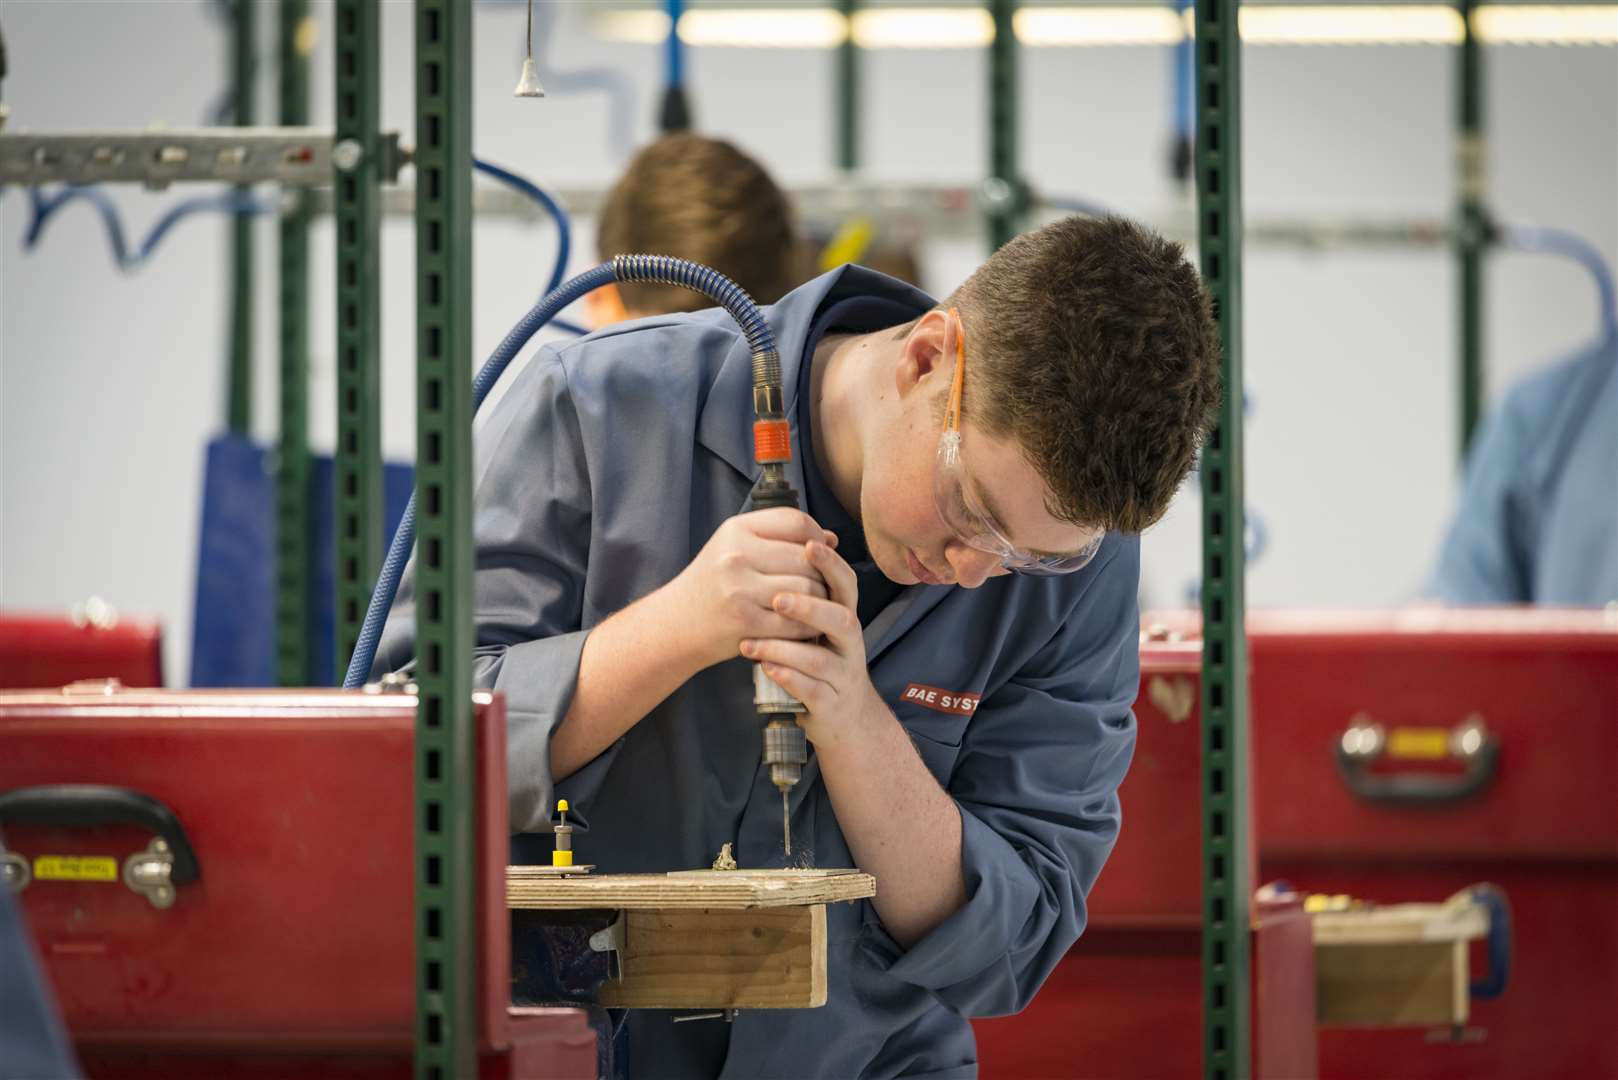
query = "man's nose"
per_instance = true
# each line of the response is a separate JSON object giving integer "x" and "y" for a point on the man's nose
{"x": 971, "y": 566}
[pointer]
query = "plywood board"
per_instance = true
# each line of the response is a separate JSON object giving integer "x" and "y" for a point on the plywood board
{"x": 765, "y": 958}
{"x": 729, "y": 890}
{"x": 1395, "y": 924}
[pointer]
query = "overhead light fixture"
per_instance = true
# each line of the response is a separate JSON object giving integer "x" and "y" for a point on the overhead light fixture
{"x": 922, "y": 28}
{"x": 889, "y": 27}
{"x": 791, "y": 28}
{"x": 1593, "y": 24}
{"x": 1098, "y": 26}
{"x": 642, "y": 27}
{"x": 1262, "y": 24}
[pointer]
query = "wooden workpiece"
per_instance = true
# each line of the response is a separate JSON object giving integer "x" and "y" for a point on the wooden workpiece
{"x": 707, "y": 939}
{"x": 713, "y": 889}
{"x": 1404, "y": 965}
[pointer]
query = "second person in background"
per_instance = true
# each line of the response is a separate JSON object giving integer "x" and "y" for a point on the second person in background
{"x": 701, "y": 199}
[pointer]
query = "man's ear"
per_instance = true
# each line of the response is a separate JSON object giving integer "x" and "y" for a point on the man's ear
{"x": 605, "y": 306}
{"x": 926, "y": 356}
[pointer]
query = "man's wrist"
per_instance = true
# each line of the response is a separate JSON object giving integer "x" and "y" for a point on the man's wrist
{"x": 861, "y": 732}
{"x": 669, "y": 609}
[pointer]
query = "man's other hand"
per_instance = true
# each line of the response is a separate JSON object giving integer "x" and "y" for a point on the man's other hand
{"x": 827, "y": 674}
{"x": 728, "y": 591}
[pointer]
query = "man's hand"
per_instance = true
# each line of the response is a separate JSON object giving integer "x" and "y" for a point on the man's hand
{"x": 828, "y": 675}
{"x": 726, "y": 593}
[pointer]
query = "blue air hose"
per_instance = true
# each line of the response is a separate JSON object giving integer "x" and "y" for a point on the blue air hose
{"x": 661, "y": 269}
{"x": 564, "y": 231}
{"x": 43, "y": 206}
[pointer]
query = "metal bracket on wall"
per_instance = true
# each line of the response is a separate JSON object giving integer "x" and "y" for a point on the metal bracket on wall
{"x": 285, "y": 155}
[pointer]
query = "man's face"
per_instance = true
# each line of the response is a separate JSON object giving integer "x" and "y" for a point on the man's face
{"x": 904, "y": 531}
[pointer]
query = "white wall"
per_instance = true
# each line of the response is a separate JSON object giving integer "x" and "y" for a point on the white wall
{"x": 110, "y": 384}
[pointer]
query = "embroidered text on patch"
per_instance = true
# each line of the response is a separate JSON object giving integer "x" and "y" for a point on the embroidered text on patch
{"x": 948, "y": 701}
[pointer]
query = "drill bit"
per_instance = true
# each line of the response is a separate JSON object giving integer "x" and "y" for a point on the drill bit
{"x": 786, "y": 823}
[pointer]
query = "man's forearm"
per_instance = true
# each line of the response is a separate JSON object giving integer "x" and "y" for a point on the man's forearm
{"x": 900, "y": 825}
{"x": 630, "y": 663}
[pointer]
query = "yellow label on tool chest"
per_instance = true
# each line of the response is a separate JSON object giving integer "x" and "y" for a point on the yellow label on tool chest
{"x": 1418, "y": 743}
{"x": 75, "y": 868}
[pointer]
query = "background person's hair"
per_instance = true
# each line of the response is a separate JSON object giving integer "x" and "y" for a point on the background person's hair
{"x": 1092, "y": 343}
{"x": 702, "y": 199}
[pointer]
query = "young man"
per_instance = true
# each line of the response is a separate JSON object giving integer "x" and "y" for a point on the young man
{"x": 700, "y": 199}
{"x": 956, "y": 608}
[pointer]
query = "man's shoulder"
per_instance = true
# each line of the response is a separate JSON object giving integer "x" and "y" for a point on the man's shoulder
{"x": 657, "y": 357}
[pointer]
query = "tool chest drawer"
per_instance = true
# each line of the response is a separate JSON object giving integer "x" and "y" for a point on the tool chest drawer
{"x": 1428, "y": 735}
{"x": 208, "y": 868}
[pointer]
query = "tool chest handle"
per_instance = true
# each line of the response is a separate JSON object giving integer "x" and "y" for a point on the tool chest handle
{"x": 89, "y": 805}
{"x": 1364, "y": 743}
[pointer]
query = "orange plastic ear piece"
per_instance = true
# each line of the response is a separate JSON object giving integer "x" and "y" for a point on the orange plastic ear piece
{"x": 952, "y": 412}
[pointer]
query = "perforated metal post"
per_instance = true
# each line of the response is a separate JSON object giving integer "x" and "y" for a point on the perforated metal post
{"x": 848, "y": 93}
{"x": 446, "y": 1040}
{"x": 293, "y": 554}
{"x": 1471, "y": 178}
{"x": 1226, "y": 851}
{"x": 1004, "y": 197}
{"x": 244, "y": 43}
{"x": 357, "y": 204}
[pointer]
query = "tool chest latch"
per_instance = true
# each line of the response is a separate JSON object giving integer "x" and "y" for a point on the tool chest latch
{"x": 150, "y": 873}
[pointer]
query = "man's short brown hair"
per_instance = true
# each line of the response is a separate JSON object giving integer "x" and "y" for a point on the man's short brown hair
{"x": 701, "y": 199}
{"x": 1092, "y": 343}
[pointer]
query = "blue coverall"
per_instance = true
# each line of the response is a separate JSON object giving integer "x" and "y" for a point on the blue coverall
{"x": 599, "y": 476}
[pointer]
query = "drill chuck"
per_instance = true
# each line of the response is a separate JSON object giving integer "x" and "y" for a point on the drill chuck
{"x": 785, "y": 751}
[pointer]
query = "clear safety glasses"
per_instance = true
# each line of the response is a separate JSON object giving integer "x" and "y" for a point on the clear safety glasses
{"x": 959, "y": 507}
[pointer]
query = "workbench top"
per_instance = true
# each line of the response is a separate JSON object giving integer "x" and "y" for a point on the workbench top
{"x": 536, "y": 888}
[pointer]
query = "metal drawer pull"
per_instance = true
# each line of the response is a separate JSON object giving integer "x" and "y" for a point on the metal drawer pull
{"x": 1366, "y": 742}
{"x": 167, "y": 861}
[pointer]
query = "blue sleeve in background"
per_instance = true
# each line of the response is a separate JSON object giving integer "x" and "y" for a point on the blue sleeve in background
{"x": 1538, "y": 520}
{"x": 1485, "y": 558}
{"x": 33, "y": 1045}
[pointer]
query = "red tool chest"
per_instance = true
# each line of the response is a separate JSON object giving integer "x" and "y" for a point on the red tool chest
{"x": 1396, "y": 757}
{"x": 54, "y": 650}
{"x": 280, "y": 940}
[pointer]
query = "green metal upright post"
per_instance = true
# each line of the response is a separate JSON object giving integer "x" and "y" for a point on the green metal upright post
{"x": 1226, "y": 844}
{"x": 848, "y": 93}
{"x": 1004, "y": 194}
{"x": 293, "y": 554}
{"x": 358, "y": 463}
{"x": 244, "y": 44}
{"x": 445, "y": 865}
{"x": 1472, "y": 237}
